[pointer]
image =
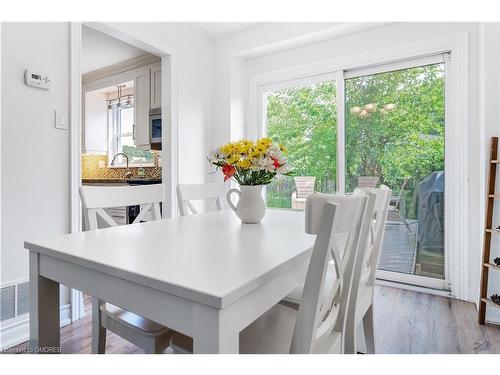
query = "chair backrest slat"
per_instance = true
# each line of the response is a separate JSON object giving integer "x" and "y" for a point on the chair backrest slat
{"x": 374, "y": 246}
{"x": 368, "y": 181}
{"x": 96, "y": 198}
{"x": 214, "y": 193}
{"x": 341, "y": 223}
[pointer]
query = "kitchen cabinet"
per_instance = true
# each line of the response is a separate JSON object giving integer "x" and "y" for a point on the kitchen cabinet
{"x": 141, "y": 108}
{"x": 155, "y": 72}
{"x": 95, "y": 129}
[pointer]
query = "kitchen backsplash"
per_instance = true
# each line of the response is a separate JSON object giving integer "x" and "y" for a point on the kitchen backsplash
{"x": 91, "y": 170}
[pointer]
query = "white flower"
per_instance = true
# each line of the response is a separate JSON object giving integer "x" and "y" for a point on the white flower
{"x": 275, "y": 151}
{"x": 282, "y": 170}
{"x": 274, "y": 148}
{"x": 264, "y": 163}
{"x": 214, "y": 155}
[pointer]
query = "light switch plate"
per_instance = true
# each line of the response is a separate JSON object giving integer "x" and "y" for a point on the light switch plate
{"x": 60, "y": 120}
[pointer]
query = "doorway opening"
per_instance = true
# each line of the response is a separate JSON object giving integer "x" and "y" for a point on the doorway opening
{"x": 164, "y": 83}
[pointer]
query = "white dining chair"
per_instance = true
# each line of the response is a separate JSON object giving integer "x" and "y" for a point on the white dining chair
{"x": 149, "y": 335}
{"x": 293, "y": 299}
{"x": 212, "y": 193}
{"x": 341, "y": 224}
{"x": 361, "y": 301}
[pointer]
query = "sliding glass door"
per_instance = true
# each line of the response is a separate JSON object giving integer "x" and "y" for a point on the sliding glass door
{"x": 395, "y": 135}
{"x": 379, "y": 125}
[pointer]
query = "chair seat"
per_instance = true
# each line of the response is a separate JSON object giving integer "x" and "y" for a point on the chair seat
{"x": 270, "y": 334}
{"x": 133, "y": 321}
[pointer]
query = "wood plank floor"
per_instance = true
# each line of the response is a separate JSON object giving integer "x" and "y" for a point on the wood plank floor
{"x": 405, "y": 322}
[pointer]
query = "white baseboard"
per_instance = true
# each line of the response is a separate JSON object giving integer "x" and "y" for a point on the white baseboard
{"x": 16, "y": 331}
{"x": 414, "y": 288}
{"x": 473, "y": 294}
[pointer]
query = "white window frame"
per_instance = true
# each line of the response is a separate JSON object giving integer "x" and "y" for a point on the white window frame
{"x": 456, "y": 113}
{"x": 114, "y": 143}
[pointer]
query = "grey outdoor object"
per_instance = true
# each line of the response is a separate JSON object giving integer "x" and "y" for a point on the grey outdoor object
{"x": 429, "y": 194}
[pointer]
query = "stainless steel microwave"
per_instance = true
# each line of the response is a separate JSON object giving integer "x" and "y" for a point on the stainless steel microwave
{"x": 155, "y": 125}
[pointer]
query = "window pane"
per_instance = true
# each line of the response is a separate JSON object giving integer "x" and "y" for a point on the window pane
{"x": 395, "y": 136}
{"x": 304, "y": 119}
{"x": 121, "y": 139}
{"x": 135, "y": 156}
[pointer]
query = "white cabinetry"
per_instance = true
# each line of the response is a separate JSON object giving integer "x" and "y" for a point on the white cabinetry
{"x": 155, "y": 86}
{"x": 141, "y": 108}
{"x": 95, "y": 130}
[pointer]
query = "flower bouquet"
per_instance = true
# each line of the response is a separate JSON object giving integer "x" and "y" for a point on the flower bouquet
{"x": 252, "y": 164}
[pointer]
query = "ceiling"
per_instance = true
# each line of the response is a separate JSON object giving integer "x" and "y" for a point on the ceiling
{"x": 219, "y": 29}
{"x": 100, "y": 50}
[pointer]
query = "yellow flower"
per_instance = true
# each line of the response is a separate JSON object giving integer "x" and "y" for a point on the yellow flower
{"x": 227, "y": 149}
{"x": 244, "y": 163}
{"x": 283, "y": 148}
{"x": 243, "y": 146}
{"x": 260, "y": 149}
{"x": 233, "y": 158}
{"x": 253, "y": 154}
{"x": 265, "y": 141}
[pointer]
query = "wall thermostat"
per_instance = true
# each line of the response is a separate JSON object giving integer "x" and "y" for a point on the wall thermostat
{"x": 32, "y": 78}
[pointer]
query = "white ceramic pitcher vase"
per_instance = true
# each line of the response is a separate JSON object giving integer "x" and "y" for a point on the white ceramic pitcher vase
{"x": 251, "y": 207}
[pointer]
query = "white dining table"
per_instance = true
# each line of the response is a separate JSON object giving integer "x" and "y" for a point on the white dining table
{"x": 207, "y": 276}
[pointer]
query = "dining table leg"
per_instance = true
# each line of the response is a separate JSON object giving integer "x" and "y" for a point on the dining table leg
{"x": 44, "y": 310}
{"x": 212, "y": 332}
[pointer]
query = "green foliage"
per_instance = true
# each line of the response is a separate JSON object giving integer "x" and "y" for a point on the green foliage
{"x": 133, "y": 153}
{"x": 407, "y": 142}
{"x": 304, "y": 119}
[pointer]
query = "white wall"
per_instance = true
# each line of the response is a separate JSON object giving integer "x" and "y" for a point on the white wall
{"x": 235, "y": 65}
{"x": 35, "y": 167}
{"x": 100, "y": 50}
{"x": 489, "y": 122}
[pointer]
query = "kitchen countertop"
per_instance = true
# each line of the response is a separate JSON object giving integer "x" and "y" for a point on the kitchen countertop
{"x": 119, "y": 181}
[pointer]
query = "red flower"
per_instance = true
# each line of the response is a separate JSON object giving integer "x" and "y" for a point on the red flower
{"x": 228, "y": 170}
{"x": 276, "y": 163}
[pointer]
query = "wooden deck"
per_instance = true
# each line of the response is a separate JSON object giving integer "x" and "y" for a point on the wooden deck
{"x": 399, "y": 249}
{"x": 405, "y": 322}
